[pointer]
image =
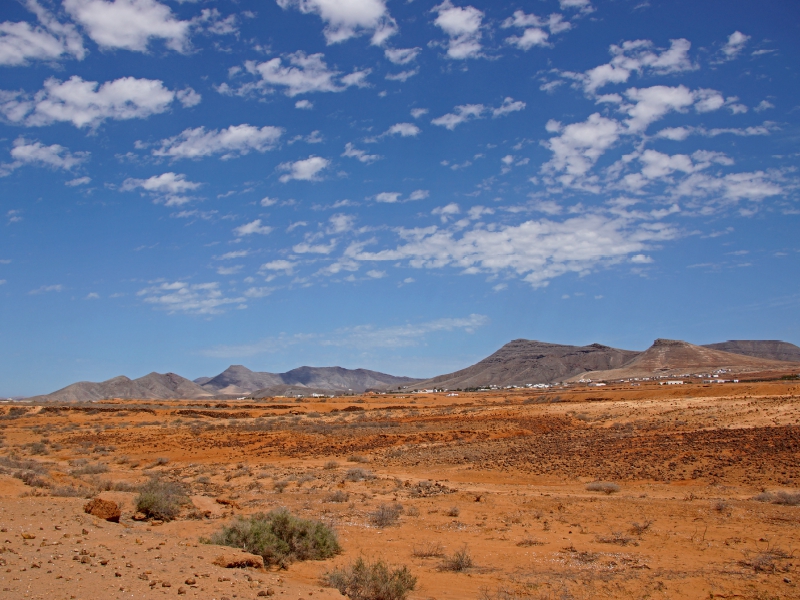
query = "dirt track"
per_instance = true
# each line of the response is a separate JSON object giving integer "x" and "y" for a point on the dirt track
{"x": 503, "y": 474}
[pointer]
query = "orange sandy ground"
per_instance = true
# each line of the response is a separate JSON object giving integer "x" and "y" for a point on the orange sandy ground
{"x": 501, "y": 474}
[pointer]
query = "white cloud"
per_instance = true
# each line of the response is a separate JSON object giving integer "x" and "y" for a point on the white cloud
{"x": 251, "y": 228}
{"x": 310, "y": 248}
{"x": 167, "y": 187}
{"x": 764, "y": 105}
{"x": 641, "y": 259}
{"x": 404, "y": 130}
{"x": 345, "y": 19}
{"x": 236, "y": 140}
{"x": 304, "y": 104}
{"x": 195, "y": 299}
{"x": 402, "y": 56}
{"x": 445, "y": 212}
{"x": 677, "y": 134}
{"x": 461, "y": 114}
{"x": 233, "y": 255}
{"x": 463, "y": 27}
{"x": 579, "y": 146}
{"x": 418, "y": 112}
{"x": 307, "y": 169}
{"x": 47, "y": 288}
{"x": 36, "y": 153}
{"x": 232, "y": 270}
{"x": 579, "y": 4}
{"x": 351, "y": 151}
{"x": 267, "y": 201}
{"x": 536, "y": 250}
{"x": 419, "y": 195}
{"x": 654, "y": 102}
{"x": 735, "y": 44}
{"x": 534, "y": 33}
{"x": 51, "y": 40}
{"x": 375, "y": 274}
{"x": 509, "y": 105}
{"x": 388, "y": 197}
{"x": 635, "y": 57}
{"x": 533, "y": 36}
{"x": 402, "y": 75}
{"x": 188, "y": 97}
{"x": 730, "y": 188}
{"x": 279, "y": 265}
{"x": 129, "y": 24}
{"x": 303, "y": 74}
{"x": 78, "y": 181}
{"x": 341, "y": 223}
{"x": 83, "y": 103}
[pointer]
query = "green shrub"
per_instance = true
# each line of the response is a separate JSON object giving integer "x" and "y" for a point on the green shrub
{"x": 280, "y": 537}
{"x": 372, "y": 581}
{"x": 161, "y": 499}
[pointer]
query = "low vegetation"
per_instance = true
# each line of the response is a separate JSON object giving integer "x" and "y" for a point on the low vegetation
{"x": 159, "y": 499}
{"x": 460, "y": 561}
{"x": 279, "y": 537}
{"x": 607, "y": 487}
{"x": 364, "y": 580}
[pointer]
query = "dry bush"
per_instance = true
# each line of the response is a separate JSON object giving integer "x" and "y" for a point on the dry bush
{"x": 460, "y": 561}
{"x": 764, "y": 561}
{"x": 162, "y": 500}
{"x": 640, "y": 528}
{"x": 337, "y": 496}
{"x": 90, "y": 469}
{"x": 412, "y": 511}
{"x": 32, "y": 478}
{"x": 528, "y": 541}
{"x": 279, "y": 537}
{"x": 428, "y": 550}
{"x": 785, "y": 498}
{"x": 364, "y": 580}
{"x": 618, "y": 538}
{"x": 453, "y": 511}
{"x": 70, "y": 491}
{"x": 386, "y": 515}
{"x": 330, "y": 465}
{"x": 357, "y": 458}
{"x": 358, "y": 475}
{"x": 279, "y": 486}
{"x": 607, "y": 487}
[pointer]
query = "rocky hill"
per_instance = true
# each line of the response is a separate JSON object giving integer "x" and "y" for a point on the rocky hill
{"x": 155, "y": 386}
{"x": 769, "y": 349}
{"x": 676, "y": 357}
{"x": 529, "y": 361}
{"x": 237, "y": 379}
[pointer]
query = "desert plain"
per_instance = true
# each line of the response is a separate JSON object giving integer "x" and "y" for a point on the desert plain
{"x": 624, "y": 491}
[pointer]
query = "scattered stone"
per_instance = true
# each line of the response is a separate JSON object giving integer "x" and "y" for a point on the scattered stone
{"x": 181, "y": 590}
{"x": 266, "y": 592}
{"x": 233, "y": 559}
{"x": 191, "y": 581}
{"x": 139, "y": 516}
{"x": 227, "y": 502}
{"x": 166, "y": 584}
{"x": 28, "y": 536}
{"x": 103, "y": 509}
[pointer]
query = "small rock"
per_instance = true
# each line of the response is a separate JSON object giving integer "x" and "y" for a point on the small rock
{"x": 102, "y": 509}
{"x": 181, "y": 590}
{"x": 266, "y": 592}
{"x": 28, "y": 536}
{"x": 190, "y": 581}
{"x": 166, "y": 584}
{"x": 787, "y": 580}
{"x": 233, "y": 559}
{"x": 139, "y": 516}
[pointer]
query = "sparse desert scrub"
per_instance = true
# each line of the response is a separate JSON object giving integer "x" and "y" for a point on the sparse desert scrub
{"x": 357, "y": 458}
{"x": 386, "y": 515}
{"x": 460, "y": 561}
{"x": 90, "y": 469}
{"x": 607, "y": 487}
{"x": 785, "y": 498}
{"x": 337, "y": 496}
{"x": 160, "y": 499}
{"x": 358, "y": 475}
{"x": 528, "y": 541}
{"x": 330, "y": 465}
{"x": 639, "y": 528}
{"x": 279, "y": 486}
{"x": 280, "y": 537}
{"x": 364, "y": 580}
{"x": 428, "y": 550}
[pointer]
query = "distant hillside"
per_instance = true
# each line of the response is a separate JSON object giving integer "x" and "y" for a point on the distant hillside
{"x": 154, "y": 385}
{"x": 769, "y": 349}
{"x": 237, "y": 379}
{"x": 676, "y": 357}
{"x": 529, "y": 361}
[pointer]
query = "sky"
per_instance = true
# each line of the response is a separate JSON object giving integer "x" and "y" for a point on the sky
{"x": 397, "y": 185}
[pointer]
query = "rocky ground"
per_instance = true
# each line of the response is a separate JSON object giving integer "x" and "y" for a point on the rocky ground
{"x": 701, "y": 496}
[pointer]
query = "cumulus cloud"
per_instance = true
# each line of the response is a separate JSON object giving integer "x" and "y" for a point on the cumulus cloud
{"x": 83, "y": 103}
{"x": 735, "y": 44}
{"x": 193, "y": 299}
{"x": 345, "y": 19}
{"x": 302, "y": 75}
{"x": 463, "y": 27}
{"x": 446, "y": 212}
{"x": 402, "y": 75}
{"x": 404, "y": 130}
{"x": 278, "y": 265}
{"x": 78, "y": 181}
{"x": 638, "y": 56}
{"x": 50, "y": 40}
{"x": 168, "y": 188}
{"x": 129, "y": 24}
{"x": 253, "y": 227}
{"x": 304, "y": 104}
{"x": 534, "y": 33}
{"x": 402, "y": 56}
{"x": 36, "y": 153}
{"x": 469, "y": 112}
{"x": 350, "y": 151}
{"x": 307, "y": 169}
{"x": 536, "y": 250}
{"x": 395, "y": 197}
{"x": 236, "y": 140}
{"x": 509, "y": 105}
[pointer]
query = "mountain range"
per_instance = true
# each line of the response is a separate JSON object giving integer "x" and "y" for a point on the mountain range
{"x": 517, "y": 363}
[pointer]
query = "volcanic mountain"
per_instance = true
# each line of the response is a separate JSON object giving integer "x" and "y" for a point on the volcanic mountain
{"x": 769, "y": 349}
{"x": 529, "y": 361}
{"x": 154, "y": 385}
{"x": 676, "y": 357}
{"x": 237, "y": 379}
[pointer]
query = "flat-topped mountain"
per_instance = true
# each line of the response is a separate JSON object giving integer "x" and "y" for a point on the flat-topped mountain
{"x": 237, "y": 379}
{"x": 676, "y": 357}
{"x": 530, "y": 361}
{"x": 154, "y": 385}
{"x": 769, "y": 349}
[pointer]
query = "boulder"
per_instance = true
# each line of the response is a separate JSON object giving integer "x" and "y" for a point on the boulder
{"x": 231, "y": 559}
{"x": 103, "y": 509}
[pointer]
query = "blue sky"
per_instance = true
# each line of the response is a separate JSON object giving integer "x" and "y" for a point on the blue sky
{"x": 397, "y": 185}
